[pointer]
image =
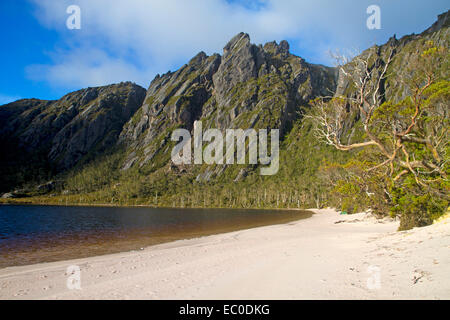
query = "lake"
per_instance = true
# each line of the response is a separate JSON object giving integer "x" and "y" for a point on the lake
{"x": 35, "y": 234}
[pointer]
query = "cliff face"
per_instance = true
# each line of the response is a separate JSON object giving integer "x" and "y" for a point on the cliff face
{"x": 56, "y": 135}
{"x": 248, "y": 86}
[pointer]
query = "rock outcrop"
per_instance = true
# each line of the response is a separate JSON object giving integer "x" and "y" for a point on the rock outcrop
{"x": 56, "y": 135}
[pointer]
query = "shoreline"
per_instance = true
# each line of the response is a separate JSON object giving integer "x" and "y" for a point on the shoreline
{"x": 327, "y": 256}
{"x": 90, "y": 243}
{"x": 106, "y": 205}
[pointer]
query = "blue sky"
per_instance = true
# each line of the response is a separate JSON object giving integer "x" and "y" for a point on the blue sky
{"x": 136, "y": 39}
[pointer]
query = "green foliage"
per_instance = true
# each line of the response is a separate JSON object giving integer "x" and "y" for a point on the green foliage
{"x": 402, "y": 167}
{"x": 95, "y": 175}
{"x": 417, "y": 210}
{"x": 350, "y": 194}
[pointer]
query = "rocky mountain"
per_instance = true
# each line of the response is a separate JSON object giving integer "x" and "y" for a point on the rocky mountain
{"x": 53, "y": 136}
{"x": 247, "y": 86}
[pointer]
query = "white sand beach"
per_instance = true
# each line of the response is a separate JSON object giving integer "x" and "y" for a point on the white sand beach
{"x": 327, "y": 256}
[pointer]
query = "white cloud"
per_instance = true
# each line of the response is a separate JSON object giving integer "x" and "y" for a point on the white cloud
{"x": 87, "y": 67}
{"x": 135, "y": 39}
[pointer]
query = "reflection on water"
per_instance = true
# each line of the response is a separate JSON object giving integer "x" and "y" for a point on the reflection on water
{"x": 33, "y": 234}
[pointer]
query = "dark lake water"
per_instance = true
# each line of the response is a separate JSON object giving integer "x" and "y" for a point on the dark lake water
{"x": 34, "y": 234}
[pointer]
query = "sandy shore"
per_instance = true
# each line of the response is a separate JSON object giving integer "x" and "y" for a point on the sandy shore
{"x": 324, "y": 257}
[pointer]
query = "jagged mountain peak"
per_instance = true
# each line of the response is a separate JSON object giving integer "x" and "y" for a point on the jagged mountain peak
{"x": 198, "y": 58}
{"x": 238, "y": 40}
{"x": 443, "y": 21}
{"x": 243, "y": 39}
{"x": 249, "y": 86}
